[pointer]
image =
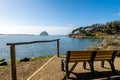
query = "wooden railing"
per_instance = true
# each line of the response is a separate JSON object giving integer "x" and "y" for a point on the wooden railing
{"x": 13, "y": 54}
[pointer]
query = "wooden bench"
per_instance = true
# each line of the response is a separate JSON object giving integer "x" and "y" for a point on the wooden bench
{"x": 90, "y": 57}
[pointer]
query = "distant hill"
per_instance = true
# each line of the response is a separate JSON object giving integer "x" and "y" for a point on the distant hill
{"x": 110, "y": 28}
{"x": 44, "y": 33}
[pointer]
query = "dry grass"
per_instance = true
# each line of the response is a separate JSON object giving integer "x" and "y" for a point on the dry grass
{"x": 24, "y": 69}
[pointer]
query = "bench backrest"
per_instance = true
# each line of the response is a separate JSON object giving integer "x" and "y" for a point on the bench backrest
{"x": 81, "y": 56}
{"x": 104, "y": 55}
{"x": 78, "y": 56}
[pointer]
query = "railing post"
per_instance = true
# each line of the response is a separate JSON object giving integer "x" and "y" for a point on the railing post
{"x": 13, "y": 62}
{"x": 57, "y": 48}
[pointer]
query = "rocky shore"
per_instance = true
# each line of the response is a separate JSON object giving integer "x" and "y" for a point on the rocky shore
{"x": 77, "y": 36}
{"x": 109, "y": 43}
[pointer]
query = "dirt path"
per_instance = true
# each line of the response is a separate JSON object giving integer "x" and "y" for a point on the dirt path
{"x": 52, "y": 71}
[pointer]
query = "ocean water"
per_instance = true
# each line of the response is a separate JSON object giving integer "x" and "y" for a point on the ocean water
{"x": 42, "y": 49}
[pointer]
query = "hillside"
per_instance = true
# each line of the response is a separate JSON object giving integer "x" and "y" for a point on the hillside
{"x": 110, "y": 28}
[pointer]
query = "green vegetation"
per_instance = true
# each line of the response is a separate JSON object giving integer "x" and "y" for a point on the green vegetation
{"x": 9, "y": 64}
{"x": 2, "y": 59}
{"x": 40, "y": 57}
{"x": 31, "y": 59}
{"x": 110, "y": 28}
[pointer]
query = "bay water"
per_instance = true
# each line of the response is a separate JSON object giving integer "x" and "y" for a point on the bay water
{"x": 42, "y": 49}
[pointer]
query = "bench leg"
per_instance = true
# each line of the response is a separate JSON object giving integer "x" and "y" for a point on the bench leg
{"x": 65, "y": 65}
{"x": 84, "y": 65}
{"x": 62, "y": 65}
{"x": 67, "y": 72}
{"x": 112, "y": 66}
{"x": 91, "y": 66}
{"x": 102, "y": 64}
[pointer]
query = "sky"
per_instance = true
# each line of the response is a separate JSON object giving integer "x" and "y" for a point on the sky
{"x": 57, "y": 17}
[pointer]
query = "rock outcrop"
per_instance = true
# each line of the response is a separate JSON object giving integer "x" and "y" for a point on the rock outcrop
{"x": 44, "y": 33}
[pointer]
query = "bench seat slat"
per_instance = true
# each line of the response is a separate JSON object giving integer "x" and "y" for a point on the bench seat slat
{"x": 79, "y": 57}
{"x": 79, "y": 60}
{"x": 80, "y": 53}
{"x": 102, "y": 58}
{"x": 104, "y": 53}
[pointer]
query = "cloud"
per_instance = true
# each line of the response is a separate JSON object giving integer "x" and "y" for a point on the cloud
{"x": 52, "y": 30}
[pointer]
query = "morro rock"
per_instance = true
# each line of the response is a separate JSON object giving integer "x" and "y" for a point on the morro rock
{"x": 44, "y": 33}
